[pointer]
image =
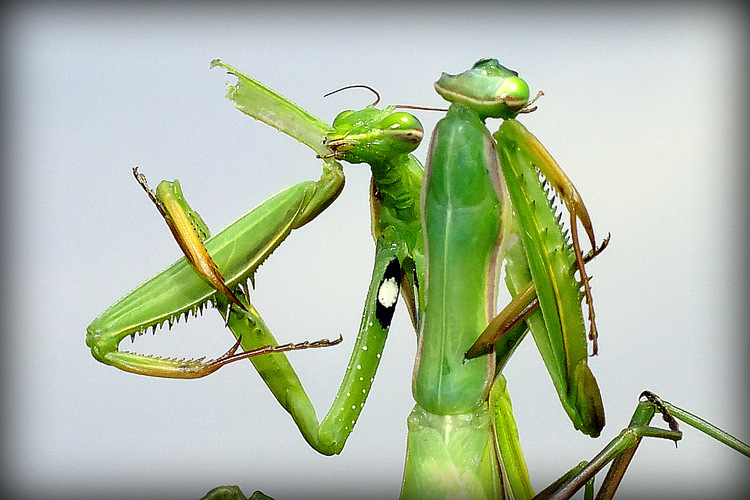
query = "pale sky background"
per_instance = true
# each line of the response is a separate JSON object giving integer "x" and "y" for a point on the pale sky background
{"x": 645, "y": 108}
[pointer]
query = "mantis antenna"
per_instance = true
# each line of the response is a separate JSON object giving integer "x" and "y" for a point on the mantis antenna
{"x": 359, "y": 86}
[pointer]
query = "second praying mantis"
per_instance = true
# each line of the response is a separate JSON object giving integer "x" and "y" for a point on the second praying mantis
{"x": 441, "y": 236}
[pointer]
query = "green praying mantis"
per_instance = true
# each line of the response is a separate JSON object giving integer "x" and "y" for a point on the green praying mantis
{"x": 441, "y": 235}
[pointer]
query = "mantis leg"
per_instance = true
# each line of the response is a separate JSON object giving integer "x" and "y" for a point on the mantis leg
{"x": 251, "y": 331}
{"x": 707, "y": 428}
{"x": 558, "y": 326}
{"x": 179, "y": 291}
{"x": 189, "y": 230}
{"x": 621, "y": 449}
{"x": 539, "y": 270}
{"x": 513, "y": 134}
{"x": 508, "y": 442}
{"x": 329, "y": 435}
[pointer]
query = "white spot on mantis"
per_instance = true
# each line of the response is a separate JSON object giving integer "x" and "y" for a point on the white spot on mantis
{"x": 359, "y": 367}
{"x": 364, "y": 347}
{"x": 388, "y": 293}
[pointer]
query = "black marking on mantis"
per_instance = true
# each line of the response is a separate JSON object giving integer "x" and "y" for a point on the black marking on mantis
{"x": 388, "y": 290}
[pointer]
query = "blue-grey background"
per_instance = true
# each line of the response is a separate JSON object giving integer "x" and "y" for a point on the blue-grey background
{"x": 645, "y": 108}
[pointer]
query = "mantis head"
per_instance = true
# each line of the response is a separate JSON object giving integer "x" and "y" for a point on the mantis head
{"x": 373, "y": 134}
{"x": 488, "y": 88}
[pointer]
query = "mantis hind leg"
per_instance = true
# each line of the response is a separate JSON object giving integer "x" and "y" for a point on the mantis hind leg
{"x": 622, "y": 448}
{"x": 619, "y": 451}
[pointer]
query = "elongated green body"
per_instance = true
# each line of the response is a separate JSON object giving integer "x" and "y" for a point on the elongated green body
{"x": 451, "y": 428}
{"x": 461, "y": 219}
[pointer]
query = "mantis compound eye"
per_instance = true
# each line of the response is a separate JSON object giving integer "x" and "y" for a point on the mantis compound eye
{"x": 342, "y": 117}
{"x": 403, "y": 130}
{"x": 514, "y": 92}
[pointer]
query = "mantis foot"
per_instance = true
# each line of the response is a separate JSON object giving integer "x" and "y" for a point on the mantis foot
{"x": 231, "y": 355}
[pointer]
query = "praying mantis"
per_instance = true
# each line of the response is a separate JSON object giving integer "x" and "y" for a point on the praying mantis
{"x": 440, "y": 237}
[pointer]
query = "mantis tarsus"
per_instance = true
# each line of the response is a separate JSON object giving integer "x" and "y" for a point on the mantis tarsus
{"x": 439, "y": 243}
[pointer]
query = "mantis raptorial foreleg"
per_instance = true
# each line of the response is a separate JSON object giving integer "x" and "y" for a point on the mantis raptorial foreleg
{"x": 514, "y": 139}
{"x": 158, "y": 301}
